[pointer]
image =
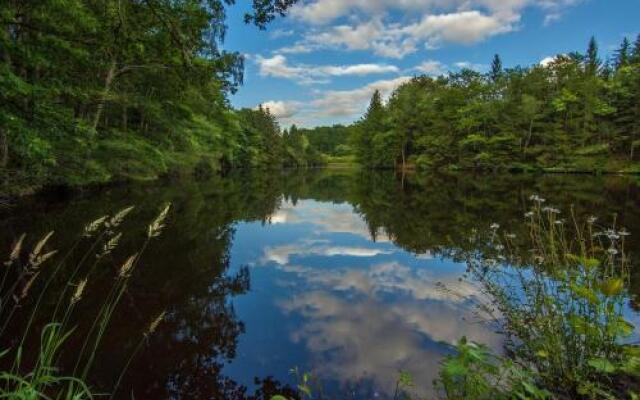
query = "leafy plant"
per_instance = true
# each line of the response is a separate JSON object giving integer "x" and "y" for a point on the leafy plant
{"x": 561, "y": 304}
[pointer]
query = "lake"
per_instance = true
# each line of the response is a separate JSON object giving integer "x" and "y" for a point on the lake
{"x": 352, "y": 276}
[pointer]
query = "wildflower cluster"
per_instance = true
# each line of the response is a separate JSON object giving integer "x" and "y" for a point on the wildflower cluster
{"x": 562, "y": 305}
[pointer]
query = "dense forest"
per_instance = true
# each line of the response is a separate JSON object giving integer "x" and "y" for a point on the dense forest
{"x": 96, "y": 91}
{"x": 106, "y": 90}
{"x": 574, "y": 113}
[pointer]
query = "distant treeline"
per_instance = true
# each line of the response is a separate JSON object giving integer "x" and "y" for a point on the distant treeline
{"x": 574, "y": 113}
{"x": 97, "y": 90}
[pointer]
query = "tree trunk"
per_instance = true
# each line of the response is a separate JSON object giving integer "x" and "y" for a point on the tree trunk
{"x": 404, "y": 157}
{"x": 101, "y": 102}
{"x": 526, "y": 144}
{"x": 124, "y": 118}
{"x": 4, "y": 149}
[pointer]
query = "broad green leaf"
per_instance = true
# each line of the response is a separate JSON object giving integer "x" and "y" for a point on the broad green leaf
{"x": 612, "y": 287}
{"x": 602, "y": 365}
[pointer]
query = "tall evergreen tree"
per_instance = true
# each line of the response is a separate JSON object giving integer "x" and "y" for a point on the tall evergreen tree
{"x": 496, "y": 68}
{"x": 623, "y": 54}
{"x": 592, "y": 59}
{"x": 371, "y": 124}
{"x": 635, "y": 53}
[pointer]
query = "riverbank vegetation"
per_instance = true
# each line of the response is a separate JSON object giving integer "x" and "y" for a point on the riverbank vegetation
{"x": 575, "y": 112}
{"x": 561, "y": 306}
{"x": 99, "y": 91}
{"x": 37, "y": 374}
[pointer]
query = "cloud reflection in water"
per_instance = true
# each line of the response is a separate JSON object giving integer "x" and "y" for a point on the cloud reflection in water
{"x": 365, "y": 310}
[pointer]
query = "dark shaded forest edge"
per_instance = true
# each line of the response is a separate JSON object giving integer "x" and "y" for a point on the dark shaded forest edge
{"x": 93, "y": 92}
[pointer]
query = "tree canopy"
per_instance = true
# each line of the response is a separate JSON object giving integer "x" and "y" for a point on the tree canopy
{"x": 574, "y": 113}
{"x": 96, "y": 90}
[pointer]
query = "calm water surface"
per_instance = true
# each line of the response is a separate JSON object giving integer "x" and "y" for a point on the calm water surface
{"x": 335, "y": 272}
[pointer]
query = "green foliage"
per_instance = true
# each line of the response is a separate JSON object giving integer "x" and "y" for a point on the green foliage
{"x": 475, "y": 373}
{"x": 562, "y": 304}
{"x": 93, "y": 91}
{"x": 545, "y": 117}
{"x": 330, "y": 140}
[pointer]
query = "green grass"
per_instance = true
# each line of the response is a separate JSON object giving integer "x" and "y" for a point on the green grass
{"x": 340, "y": 161}
{"x": 42, "y": 378}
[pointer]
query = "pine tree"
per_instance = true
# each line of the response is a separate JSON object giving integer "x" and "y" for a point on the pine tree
{"x": 592, "y": 60}
{"x": 371, "y": 124}
{"x": 496, "y": 68}
{"x": 376, "y": 108}
{"x": 623, "y": 54}
{"x": 635, "y": 53}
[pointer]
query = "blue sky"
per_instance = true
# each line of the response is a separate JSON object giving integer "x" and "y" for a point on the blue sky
{"x": 320, "y": 64}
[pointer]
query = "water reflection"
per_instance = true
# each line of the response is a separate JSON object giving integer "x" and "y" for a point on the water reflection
{"x": 362, "y": 310}
{"x": 337, "y": 272}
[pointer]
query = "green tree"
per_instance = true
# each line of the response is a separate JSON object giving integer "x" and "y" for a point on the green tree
{"x": 496, "y": 68}
{"x": 371, "y": 125}
{"x": 623, "y": 54}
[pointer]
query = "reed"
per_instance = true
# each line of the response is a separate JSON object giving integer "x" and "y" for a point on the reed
{"x": 43, "y": 378}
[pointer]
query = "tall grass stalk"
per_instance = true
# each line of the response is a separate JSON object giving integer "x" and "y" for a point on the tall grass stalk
{"x": 41, "y": 379}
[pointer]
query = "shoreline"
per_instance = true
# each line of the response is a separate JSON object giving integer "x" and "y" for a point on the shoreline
{"x": 6, "y": 199}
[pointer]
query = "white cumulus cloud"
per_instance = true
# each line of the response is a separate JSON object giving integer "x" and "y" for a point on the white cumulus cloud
{"x": 432, "y": 68}
{"x": 354, "y": 102}
{"x": 396, "y": 28}
{"x": 281, "y": 109}
{"x": 278, "y": 67}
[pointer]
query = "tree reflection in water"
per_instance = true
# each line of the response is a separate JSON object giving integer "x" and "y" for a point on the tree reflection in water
{"x": 188, "y": 271}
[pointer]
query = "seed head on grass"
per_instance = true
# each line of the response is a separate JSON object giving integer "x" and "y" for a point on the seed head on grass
{"x": 119, "y": 217}
{"x": 154, "y": 325}
{"x": 155, "y": 229}
{"x": 27, "y": 287}
{"x": 110, "y": 245}
{"x": 125, "y": 269}
{"x": 77, "y": 295}
{"x": 91, "y": 228}
{"x": 36, "y": 258}
{"x": 15, "y": 252}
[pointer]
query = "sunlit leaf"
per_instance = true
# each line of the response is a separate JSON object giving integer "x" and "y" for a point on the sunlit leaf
{"x": 602, "y": 365}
